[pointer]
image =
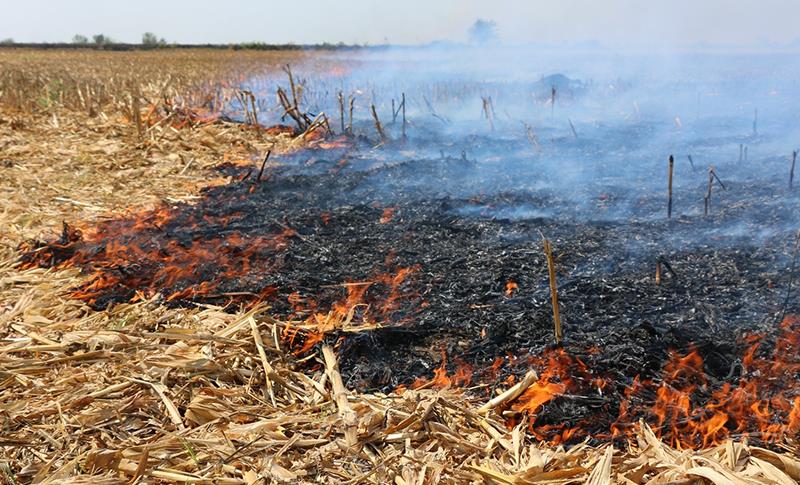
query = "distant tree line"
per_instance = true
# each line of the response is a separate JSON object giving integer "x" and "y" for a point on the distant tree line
{"x": 149, "y": 40}
{"x": 480, "y": 33}
{"x": 152, "y": 41}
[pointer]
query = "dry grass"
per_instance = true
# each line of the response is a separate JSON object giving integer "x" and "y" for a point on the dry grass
{"x": 142, "y": 393}
{"x": 101, "y": 81}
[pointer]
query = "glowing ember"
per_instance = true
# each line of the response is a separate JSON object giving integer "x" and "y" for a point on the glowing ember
{"x": 510, "y": 288}
{"x": 388, "y": 214}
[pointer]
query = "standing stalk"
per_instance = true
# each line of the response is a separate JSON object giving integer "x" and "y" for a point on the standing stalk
{"x": 350, "y": 123}
{"x": 403, "y": 106}
{"x": 669, "y": 187}
{"x": 551, "y": 269}
{"x": 707, "y": 200}
{"x": 378, "y": 126}
{"x": 341, "y": 109}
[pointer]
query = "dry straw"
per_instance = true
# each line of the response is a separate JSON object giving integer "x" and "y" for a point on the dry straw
{"x": 143, "y": 393}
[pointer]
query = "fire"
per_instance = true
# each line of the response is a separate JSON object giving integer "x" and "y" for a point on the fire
{"x": 340, "y": 142}
{"x": 388, "y": 215}
{"x": 358, "y": 310}
{"x": 510, "y": 288}
{"x": 684, "y": 406}
{"x": 765, "y": 403}
{"x": 494, "y": 370}
{"x": 556, "y": 373}
{"x": 461, "y": 377}
{"x": 185, "y": 255}
{"x": 537, "y": 395}
{"x": 139, "y": 255}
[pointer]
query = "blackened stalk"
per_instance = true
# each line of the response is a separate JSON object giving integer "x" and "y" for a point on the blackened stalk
{"x": 341, "y": 109}
{"x": 403, "y": 106}
{"x": 716, "y": 177}
{"x": 707, "y": 199}
{"x": 253, "y": 107}
{"x": 712, "y": 175}
{"x": 288, "y": 71}
{"x": 572, "y": 127}
{"x": 302, "y": 122}
{"x": 263, "y": 164}
{"x": 350, "y": 123}
{"x": 669, "y": 187}
{"x": 378, "y": 126}
{"x": 396, "y": 110}
{"x": 791, "y": 171}
{"x": 691, "y": 162}
{"x": 243, "y": 101}
{"x": 487, "y": 113}
{"x": 662, "y": 261}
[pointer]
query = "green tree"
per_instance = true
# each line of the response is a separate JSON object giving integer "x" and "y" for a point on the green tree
{"x": 8, "y": 41}
{"x": 80, "y": 39}
{"x": 101, "y": 39}
{"x": 150, "y": 39}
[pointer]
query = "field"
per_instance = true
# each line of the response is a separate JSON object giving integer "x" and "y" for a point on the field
{"x": 202, "y": 283}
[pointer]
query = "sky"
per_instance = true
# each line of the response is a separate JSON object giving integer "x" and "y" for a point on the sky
{"x": 606, "y": 22}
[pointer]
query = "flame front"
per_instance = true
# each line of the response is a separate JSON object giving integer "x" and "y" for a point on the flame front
{"x": 684, "y": 406}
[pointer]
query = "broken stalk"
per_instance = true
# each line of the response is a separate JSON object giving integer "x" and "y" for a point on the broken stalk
{"x": 378, "y": 126}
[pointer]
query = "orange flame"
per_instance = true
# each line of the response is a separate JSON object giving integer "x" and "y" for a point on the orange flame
{"x": 511, "y": 286}
{"x": 134, "y": 254}
{"x": 461, "y": 377}
{"x": 765, "y": 403}
{"x": 356, "y": 310}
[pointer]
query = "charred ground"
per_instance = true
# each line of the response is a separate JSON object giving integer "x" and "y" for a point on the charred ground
{"x": 420, "y": 256}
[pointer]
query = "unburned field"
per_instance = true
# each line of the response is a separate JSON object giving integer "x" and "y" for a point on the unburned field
{"x": 202, "y": 281}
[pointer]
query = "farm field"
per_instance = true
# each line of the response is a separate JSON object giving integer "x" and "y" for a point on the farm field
{"x": 398, "y": 265}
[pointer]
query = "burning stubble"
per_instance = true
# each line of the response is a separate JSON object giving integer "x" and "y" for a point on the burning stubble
{"x": 410, "y": 239}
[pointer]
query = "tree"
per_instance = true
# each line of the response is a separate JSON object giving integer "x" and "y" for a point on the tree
{"x": 150, "y": 39}
{"x": 101, "y": 39}
{"x": 483, "y": 32}
{"x": 8, "y": 41}
{"x": 80, "y": 39}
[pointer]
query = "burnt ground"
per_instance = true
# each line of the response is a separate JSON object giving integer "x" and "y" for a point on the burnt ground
{"x": 466, "y": 225}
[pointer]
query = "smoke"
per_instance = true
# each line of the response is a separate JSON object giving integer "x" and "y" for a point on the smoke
{"x": 522, "y": 133}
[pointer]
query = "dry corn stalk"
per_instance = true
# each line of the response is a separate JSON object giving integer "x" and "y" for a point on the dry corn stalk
{"x": 551, "y": 269}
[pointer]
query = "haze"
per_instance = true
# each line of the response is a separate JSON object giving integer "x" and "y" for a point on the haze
{"x": 752, "y": 23}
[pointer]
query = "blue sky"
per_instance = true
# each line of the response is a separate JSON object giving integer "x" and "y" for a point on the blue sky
{"x": 609, "y": 22}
